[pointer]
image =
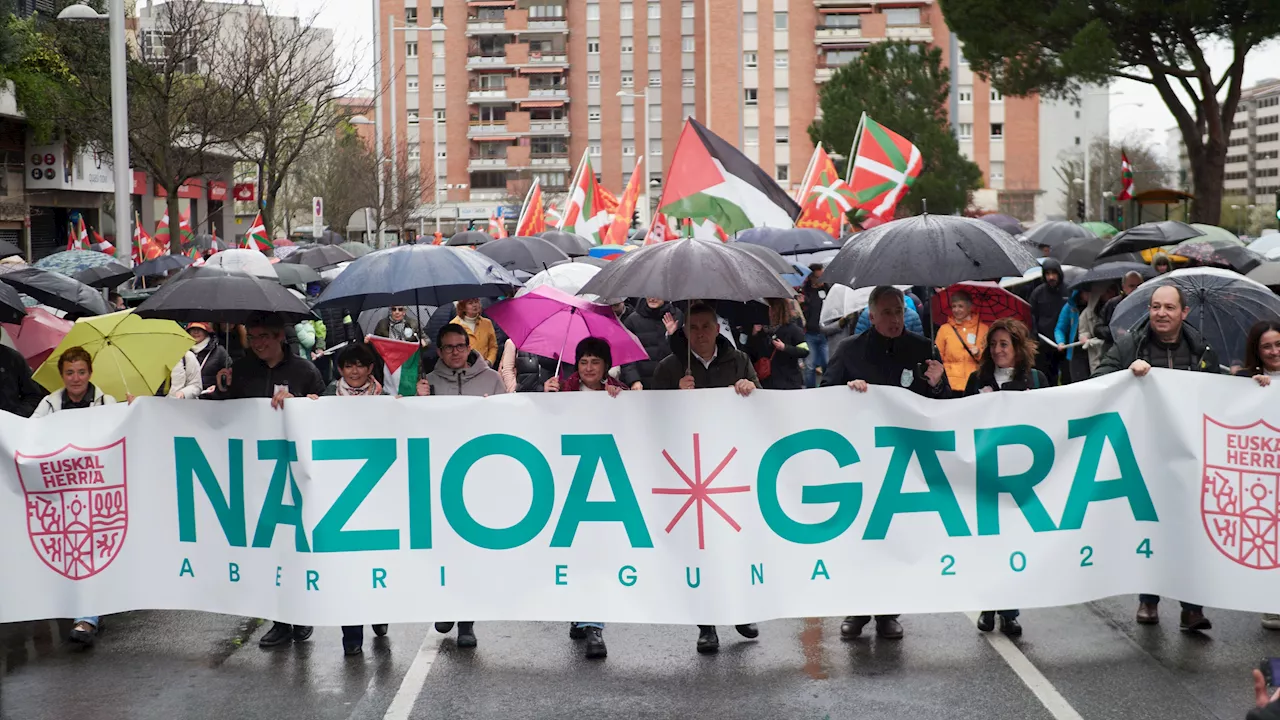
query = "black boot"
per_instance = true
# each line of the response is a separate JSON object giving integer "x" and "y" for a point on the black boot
{"x": 888, "y": 627}
{"x": 279, "y": 634}
{"x": 352, "y": 639}
{"x": 466, "y": 635}
{"x": 84, "y": 633}
{"x": 852, "y": 626}
{"x": 576, "y": 632}
{"x": 708, "y": 640}
{"x": 987, "y": 621}
{"x": 380, "y": 630}
{"x": 301, "y": 633}
{"x": 749, "y": 631}
{"x": 1010, "y": 626}
{"x": 444, "y": 627}
{"x": 595, "y": 643}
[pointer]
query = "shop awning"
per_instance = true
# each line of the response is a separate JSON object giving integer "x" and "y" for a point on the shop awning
{"x": 542, "y": 104}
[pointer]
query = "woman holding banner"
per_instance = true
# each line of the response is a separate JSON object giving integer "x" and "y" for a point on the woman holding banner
{"x": 1008, "y": 363}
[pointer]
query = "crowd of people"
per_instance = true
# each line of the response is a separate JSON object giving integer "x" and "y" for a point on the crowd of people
{"x": 463, "y": 352}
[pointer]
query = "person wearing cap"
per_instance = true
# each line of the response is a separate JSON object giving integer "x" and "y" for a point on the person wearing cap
{"x": 210, "y": 354}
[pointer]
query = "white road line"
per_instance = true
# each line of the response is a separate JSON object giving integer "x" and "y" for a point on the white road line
{"x": 1036, "y": 682}
{"x": 411, "y": 687}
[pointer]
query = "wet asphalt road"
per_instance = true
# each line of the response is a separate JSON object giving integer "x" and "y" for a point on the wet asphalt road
{"x": 1083, "y": 661}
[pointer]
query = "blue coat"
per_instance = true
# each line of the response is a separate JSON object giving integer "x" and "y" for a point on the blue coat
{"x": 1068, "y": 323}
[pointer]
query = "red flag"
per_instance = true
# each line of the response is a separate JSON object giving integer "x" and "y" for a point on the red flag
{"x": 1126, "y": 178}
{"x": 617, "y": 232}
{"x": 659, "y": 230}
{"x": 827, "y": 198}
{"x": 101, "y": 245}
{"x": 533, "y": 218}
{"x": 883, "y": 165}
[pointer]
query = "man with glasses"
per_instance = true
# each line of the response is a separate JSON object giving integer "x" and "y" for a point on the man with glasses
{"x": 267, "y": 371}
{"x": 461, "y": 371}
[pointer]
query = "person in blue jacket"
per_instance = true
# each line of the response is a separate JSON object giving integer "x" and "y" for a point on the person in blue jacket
{"x": 1068, "y": 325}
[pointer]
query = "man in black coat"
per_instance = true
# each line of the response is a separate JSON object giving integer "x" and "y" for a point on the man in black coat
{"x": 1102, "y": 328}
{"x": 813, "y": 293}
{"x": 1166, "y": 341}
{"x": 1046, "y": 304}
{"x": 19, "y": 394}
{"x": 654, "y": 321}
{"x": 887, "y": 354}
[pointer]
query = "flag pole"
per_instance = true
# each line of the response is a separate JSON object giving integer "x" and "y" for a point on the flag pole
{"x": 804, "y": 180}
{"x": 853, "y": 152}
{"x": 577, "y": 177}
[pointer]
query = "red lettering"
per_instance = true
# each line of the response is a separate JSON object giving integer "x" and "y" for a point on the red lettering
{"x": 1232, "y": 442}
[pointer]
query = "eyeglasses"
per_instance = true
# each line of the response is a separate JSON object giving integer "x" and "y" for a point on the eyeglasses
{"x": 455, "y": 348}
{"x": 397, "y": 309}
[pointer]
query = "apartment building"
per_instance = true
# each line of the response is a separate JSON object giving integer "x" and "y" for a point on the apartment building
{"x": 510, "y": 90}
{"x": 1253, "y": 147}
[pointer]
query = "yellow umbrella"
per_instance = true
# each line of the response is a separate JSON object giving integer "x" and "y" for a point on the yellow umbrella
{"x": 131, "y": 355}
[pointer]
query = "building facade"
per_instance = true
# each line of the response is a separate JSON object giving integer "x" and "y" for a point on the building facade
{"x": 510, "y": 90}
{"x": 1253, "y": 148}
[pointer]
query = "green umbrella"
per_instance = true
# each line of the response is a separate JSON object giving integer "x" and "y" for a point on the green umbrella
{"x": 358, "y": 249}
{"x": 1213, "y": 232}
{"x": 1101, "y": 229}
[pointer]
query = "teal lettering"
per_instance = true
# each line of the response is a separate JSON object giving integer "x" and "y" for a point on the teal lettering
{"x": 627, "y": 575}
{"x": 278, "y": 569}
{"x": 1097, "y": 431}
{"x": 562, "y": 576}
{"x": 379, "y": 578}
{"x": 757, "y": 571}
{"x": 820, "y": 568}
{"x": 939, "y": 498}
{"x": 455, "y": 508}
{"x": 594, "y": 451}
{"x": 847, "y": 496}
{"x": 274, "y": 511}
{"x": 186, "y": 568}
{"x": 313, "y": 581}
{"x": 378, "y": 454}
{"x": 189, "y": 462}
{"x": 441, "y": 576}
{"x": 420, "y": 496}
{"x": 990, "y": 483}
{"x": 695, "y": 579}
{"x": 234, "y": 572}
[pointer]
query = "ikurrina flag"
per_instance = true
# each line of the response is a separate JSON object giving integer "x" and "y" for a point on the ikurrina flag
{"x": 826, "y": 196}
{"x": 256, "y": 237}
{"x": 399, "y": 365}
{"x": 618, "y": 229}
{"x": 144, "y": 247}
{"x": 184, "y": 229}
{"x": 497, "y": 225}
{"x": 584, "y": 212}
{"x": 101, "y": 244}
{"x": 882, "y": 167}
{"x": 553, "y": 215}
{"x": 713, "y": 184}
{"x": 1126, "y": 178}
{"x": 533, "y": 219}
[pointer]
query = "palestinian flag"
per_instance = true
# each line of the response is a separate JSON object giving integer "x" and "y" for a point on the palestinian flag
{"x": 256, "y": 237}
{"x": 585, "y": 215}
{"x": 532, "y": 217}
{"x": 399, "y": 365}
{"x": 659, "y": 230}
{"x": 882, "y": 167}
{"x": 617, "y": 232}
{"x": 101, "y": 245}
{"x": 1126, "y": 178}
{"x": 710, "y": 180}
{"x": 827, "y": 197}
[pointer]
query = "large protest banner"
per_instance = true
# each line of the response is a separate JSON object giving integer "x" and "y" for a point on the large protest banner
{"x": 672, "y": 507}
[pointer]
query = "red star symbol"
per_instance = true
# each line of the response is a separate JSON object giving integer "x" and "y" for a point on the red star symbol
{"x": 698, "y": 490}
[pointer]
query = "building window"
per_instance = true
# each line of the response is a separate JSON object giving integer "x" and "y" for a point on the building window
{"x": 996, "y": 97}
{"x": 628, "y": 150}
{"x": 688, "y": 79}
{"x": 655, "y": 78}
{"x": 655, "y": 45}
{"x": 1077, "y": 140}
{"x": 593, "y": 12}
{"x": 655, "y": 113}
{"x": 593, "y": 149}
{"x": 780, "y": 59}
{"x": 415, "y": 154}
{"x": 628, "y": 113}
{"x": 687, "y": 111}
{"x": 440, "y": 115}
{"x": 749, "y": 60}
{"x": 413, "y": 118}
{"x": 997, "y": 171}
{"x": 593, "y": 47}
{"x": 686, "y": 9}
{"x": 902, "y": 16}
{"x": 626, "y": 46}
{"x": 655, "y": 147}
{"x": 748, "y": 22}
{"x": 782, "y": 135}
{"x": 841, "y": 20}
{"x": 593, "y": 114}
{"x": 783, "y": 173}
{"x": 997, "y": 131}
{"x": 411, "y": 84}
{"x": 966, "y": 131}
{"x": 439, "y": 84}
{"x": 780, "y": 20}
{"x": 625, "y": 11}
{"x": 593, "y": 79}
{"x": 655, "y": 11}
{"x": 411, "y": 49}
{"x": 687, "y": 44}
{"x": 411, "y": 16}
{"x": 781, "y": 97}
{"x": 750, "y": 96}
{"x": 751, "y": 137}
{"x": 437, "y": 14}
{"x": 628, "y": 80}
{"x": 966, "y": 97}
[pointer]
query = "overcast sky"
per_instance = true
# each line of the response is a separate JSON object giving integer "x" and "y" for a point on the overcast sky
{"x": 352, "y": 21}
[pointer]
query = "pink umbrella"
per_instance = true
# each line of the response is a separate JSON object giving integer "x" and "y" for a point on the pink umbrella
{"x": 550, "y": 322}
{"x": 37, "y": 336}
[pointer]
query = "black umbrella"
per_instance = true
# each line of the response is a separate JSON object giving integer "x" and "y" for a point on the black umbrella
{"x": 417, "y": 275}
{"x": 205, "y": 241}
{"x": 161, "y": 265}
{"x": 105, "y": 276}
{"x": 570, "y": 244}
{"x": 320, "y": 257}
{"x": 530, "y": 254}
{"x": 688, "y": 270}
{"x": 1007, "y": 223}
{"x": 468, "y": 238}
{"x": 1149, "y": 235}
{"x": 1081, "y": 251}
{"x": 789, "y": 241}
{"x": 57, "y": 291}
{"x": 11, "y": 307}
{"x": 1113, "y": 271}
{"x": 212, "y": 294}
{"x": 1223, "y": 305}
{"x": 1056, "y": 233}
{"x": 295, "y": 274}
{"x": 1220, "y": 254}
{"x": 769, "y": 257}
{"x": 8, "y": 249}
{"x": 930, "y": 250}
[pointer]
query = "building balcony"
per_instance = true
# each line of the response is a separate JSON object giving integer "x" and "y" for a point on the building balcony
{"x": 482, "y": 96}
{"x": 823, "y": 74}
{"x": 836, "y": 34}
{"x": 916, "y": 33}
{"x": 486, "y": 27}
{"x": 481, "y": 129}
{"x": 844, "y": 3}
{"x": 549, "y": 127}
{"x": 487, "y": 62}
{"x": 540, "y": 59}
{"x": 547, "y": 26}
{"x": 552, "y": 93}
{"x": 549, "y": 162}
{"x": 489, "y": 194}
{"x": 487, "y": 163}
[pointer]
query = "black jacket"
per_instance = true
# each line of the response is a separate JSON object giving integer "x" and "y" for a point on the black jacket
{"x": 533, "y": 371}
{"x": 784, "y": 364}
{"x": 729, "y": 366}
{"x": 1102, "y": 328}
{"x": 251, "y": 378}
{"x": 1046, "y": 302}
{"x": 213, "y": 358}
{"x": 1134, "y": 345}
{"x": 884, "y": 361}
{"x": 646, "y": 323}
{"x": 336, "y": 328}
{"x": 811, "y": 299}
{"x": 1026, "y": 381}
{"x": 19, "y": 394}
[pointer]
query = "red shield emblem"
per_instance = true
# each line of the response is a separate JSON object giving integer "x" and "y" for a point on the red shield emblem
{"x": 1239, "y": 491}
{"x": 77, "y": 507}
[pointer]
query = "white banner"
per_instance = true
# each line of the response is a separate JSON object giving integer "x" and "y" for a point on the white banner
{"x": 661, "y": 507}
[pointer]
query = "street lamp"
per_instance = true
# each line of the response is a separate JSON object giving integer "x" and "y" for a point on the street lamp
{"x": 395, "y": 149}
{"x": 646, "y": 156}
{"x": 119, "y": 118}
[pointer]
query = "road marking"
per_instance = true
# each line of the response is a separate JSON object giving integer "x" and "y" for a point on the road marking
{"x": 1036, "y": 682}
{"x": 411, "y": 687}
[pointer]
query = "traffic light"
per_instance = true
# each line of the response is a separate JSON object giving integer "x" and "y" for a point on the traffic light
{"x": 1080, "y": 210}
{"x": 1278, "y": 206}
{"x": 635, "y": 218}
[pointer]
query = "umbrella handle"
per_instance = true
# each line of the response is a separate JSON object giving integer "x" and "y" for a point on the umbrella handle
{"x": 563, "y": 345}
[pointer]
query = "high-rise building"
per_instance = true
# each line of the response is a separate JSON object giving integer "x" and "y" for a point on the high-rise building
{"x": 1253, "y": 147}
{"x": 509, "y": 90}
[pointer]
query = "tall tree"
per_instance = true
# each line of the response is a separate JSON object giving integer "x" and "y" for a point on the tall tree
{"x": 1053, "y": 48}
{"x": 905, "y": 88}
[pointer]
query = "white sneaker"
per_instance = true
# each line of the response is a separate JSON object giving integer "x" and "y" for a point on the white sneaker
{"x": 1271, "y": 621}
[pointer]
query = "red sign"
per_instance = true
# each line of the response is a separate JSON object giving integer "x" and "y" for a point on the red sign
{"x": 190, "y": 189}
{"x": 1239, "y": 490}
{"x": 244, "y": 192}
{"x": 217, "y": 190}
{"x": 139, "y": 183}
